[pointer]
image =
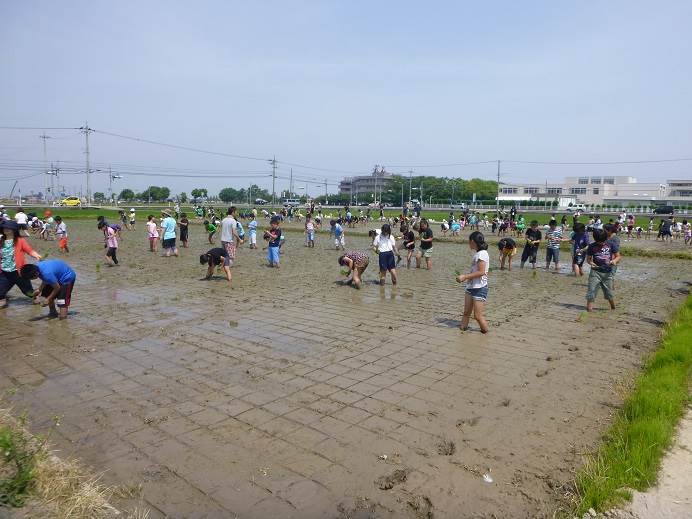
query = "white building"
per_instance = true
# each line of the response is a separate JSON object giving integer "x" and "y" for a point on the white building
{"x": 603, "y": 189}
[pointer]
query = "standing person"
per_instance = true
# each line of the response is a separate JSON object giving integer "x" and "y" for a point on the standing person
{"x": 508, "y": 248}
{"x": 273, "y": 235}
{"x": 57, "y": 282}
{"x": 111, "y": 244}
{"x": 13, "y": 249}
{"x": 385, "y": 245}
{"x": 650, "y": 228}
{"x": 580, "y": 242}
{"x": 533, "y": 241}
{"x": 213, "y": 258}
{"x": 123, "y": 219}
{"x": 687, "y": 229}
{"x": 152, "y": 233}
{"x": 229, "y": 234}
{"x": 184, "y": 226}
{"x": 630, "y": 226}
{"x": 338, "y": 231}
{"x": 133, "y": 218}
{"x": 168, "y": 230}
{"x": 476, "y": 293}
{"x": 355, "y": 262}
{"x": 22, "y": 221}
{"x": 252, "y": 230}
{"x": 409, "y": 243}
{"x": 602, "y": 256}
{"x": 61, "y": 235}
{"x": 426, "y": 244}
{"x": 554, "y": 239}
{"x": 309, "y": 231}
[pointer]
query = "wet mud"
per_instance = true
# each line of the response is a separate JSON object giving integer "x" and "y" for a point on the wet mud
{"x": 291, "y": 395}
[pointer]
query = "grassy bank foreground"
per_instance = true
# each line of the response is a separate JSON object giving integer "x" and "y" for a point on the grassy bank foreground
{"x": 633, "y": 447}
{"x": 42, "y": 485}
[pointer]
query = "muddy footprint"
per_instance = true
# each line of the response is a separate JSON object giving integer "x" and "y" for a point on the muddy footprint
{"x": 389, "y": 481}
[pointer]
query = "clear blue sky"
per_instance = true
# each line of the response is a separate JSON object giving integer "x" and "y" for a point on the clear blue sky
{"x": 348, "y": 84}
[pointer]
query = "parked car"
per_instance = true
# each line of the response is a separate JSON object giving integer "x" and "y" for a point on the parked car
{"x": 664, "y": 209}
{"x": 71, "y": 201}
{"x": 260, "y": 201}
{"x": 576, "y": 207}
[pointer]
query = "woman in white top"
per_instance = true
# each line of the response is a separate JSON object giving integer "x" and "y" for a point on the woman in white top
{"x": 385, "y": 246}
{"x": 476, "y": 283}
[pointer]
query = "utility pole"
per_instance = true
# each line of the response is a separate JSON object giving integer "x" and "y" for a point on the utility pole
{"x": 86, "y": 131}
{"x": 325, "y": 191}
{"x": 274, "y": 180}
{"x": 45, "y": 159}
{"x": 410, "y": 179}
{"x": 497, "y": 200}
{"x": 290, "y": 184}
{"x": 53, "y": 173}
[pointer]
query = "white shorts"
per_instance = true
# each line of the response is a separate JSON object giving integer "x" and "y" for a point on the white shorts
{"x": 340, "y": 242}
{"x": 253, "y": 238}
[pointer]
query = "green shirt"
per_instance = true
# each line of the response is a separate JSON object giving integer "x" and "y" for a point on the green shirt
{"x": 8, "y": 263}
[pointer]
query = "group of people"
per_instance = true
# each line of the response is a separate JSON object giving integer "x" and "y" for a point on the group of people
{"x": 56, "y": 276}
{"x": 594, "y": 243}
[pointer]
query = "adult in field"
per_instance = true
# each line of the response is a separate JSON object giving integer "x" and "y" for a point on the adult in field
{"x": 13, "y": 249}
{"x": 168, "y": 229}
{"x": 229, "y": 234}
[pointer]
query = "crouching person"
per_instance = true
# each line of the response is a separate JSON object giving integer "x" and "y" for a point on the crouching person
{"x": 57, "y": 282}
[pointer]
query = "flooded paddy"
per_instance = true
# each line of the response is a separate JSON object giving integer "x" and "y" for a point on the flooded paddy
{"x": 291, "y": 395}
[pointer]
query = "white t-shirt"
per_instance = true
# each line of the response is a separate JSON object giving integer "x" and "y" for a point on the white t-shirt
{"x": 228, "y": 225}
{"x": 20, "y": 218}
{"x": 481, "y": 255}
{"x": 151, "y": 230}
{"x": 61, "y": 230}
{"x": 384, "y": 243}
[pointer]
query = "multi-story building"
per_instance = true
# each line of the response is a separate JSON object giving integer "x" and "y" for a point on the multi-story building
{"x": 373, "y": 184}
{"x": 603, "y": 189}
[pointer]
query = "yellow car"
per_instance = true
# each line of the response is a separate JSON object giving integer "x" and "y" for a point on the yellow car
{"x": 71, "y": 201}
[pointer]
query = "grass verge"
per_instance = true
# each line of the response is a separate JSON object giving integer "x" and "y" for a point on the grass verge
{"x": 631, "y": 453}
{"x": 46, "y": 486}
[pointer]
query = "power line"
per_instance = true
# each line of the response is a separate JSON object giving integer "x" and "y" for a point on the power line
{"x": 448, "y": 165}
{"x": 35, "y": 128}
{"x": 178, "y": 146}
{"x": 604, "y": 163}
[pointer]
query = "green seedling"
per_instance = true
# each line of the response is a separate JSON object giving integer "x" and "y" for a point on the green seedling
{"x": 345, "y": 272}
{"x": 98, "y": 267}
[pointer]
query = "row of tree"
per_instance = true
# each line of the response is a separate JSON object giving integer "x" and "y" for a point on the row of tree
{"x": 437, "y": 189}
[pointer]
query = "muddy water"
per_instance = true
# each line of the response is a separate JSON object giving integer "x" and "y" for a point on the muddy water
{"x": 291, "y": 395}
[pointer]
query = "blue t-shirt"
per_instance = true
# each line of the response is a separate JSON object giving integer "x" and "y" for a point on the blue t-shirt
{"x": 168, "y": 226}
{"x": 581, "y": 241}
{"x": 252, "y": 226}
{"x": 338, "y": 231}
{"x": 55, "y": 271}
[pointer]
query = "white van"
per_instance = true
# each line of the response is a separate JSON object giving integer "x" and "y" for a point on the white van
{"x": 576, "y": 207}
{"x": 291, "y": 202}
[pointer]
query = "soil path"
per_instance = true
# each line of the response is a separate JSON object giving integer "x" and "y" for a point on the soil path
{"x": 293, "y": 396}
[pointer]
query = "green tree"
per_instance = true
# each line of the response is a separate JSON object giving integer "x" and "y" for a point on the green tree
{"x": 126, "y": 194}
{"x": 182, "y": 197}
{"x": 155, "y": 193}
{"x": 198, "y": 192}
{"x": 228, "y": 194}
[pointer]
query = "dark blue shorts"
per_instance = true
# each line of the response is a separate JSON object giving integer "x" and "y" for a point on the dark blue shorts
{"x": 386, "y": 261}
{"x": 478, "y": 294}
